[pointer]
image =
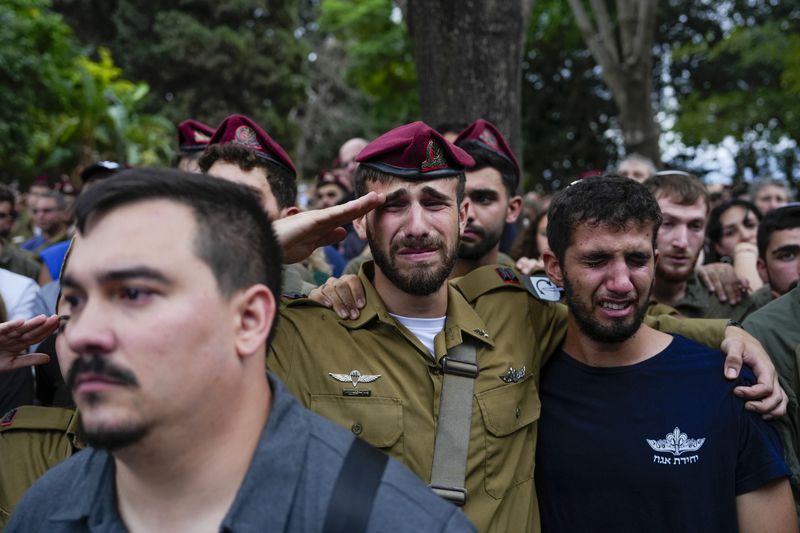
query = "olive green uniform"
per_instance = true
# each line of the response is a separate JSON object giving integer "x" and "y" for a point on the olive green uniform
{"x": 295, "y": 281}
{"x": 777, "y": 327}
{"x": 699, "y": 303}
{"x": 32, "y": 440}
{"x": 398, "y": 410}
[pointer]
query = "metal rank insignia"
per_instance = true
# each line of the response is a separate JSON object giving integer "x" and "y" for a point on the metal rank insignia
{"x": 512, "y": 376}
{"x": 246, "y": 135}
{"x": 355, "y": 377}
{"x": 435, "y": 157}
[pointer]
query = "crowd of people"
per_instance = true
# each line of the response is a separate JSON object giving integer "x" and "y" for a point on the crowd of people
{"x": 526, "y": 363}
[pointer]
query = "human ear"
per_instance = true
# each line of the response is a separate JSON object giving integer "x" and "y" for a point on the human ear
{"x": 255, "y": 310}
{"x": 553, "y": 268}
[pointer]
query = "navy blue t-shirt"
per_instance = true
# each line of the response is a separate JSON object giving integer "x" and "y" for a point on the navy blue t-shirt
{"x": 662, "y": 445}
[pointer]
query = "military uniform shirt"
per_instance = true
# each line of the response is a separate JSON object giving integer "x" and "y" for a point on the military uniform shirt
{"x": 374, "y": 377}
{"x": 777, "y": 327}
{"x": 32, "y": 440}
{"x": 287, "y": 487}
{"x": 699, "y": 303}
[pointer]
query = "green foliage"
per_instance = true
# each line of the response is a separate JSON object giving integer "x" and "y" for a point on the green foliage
{"x": 566, "y": 109}
{"x": 36, "y": 54}
{"x": 740, "y": 80}
{"x": 62, "y": 111}
{"x": 381, "y": 64}
{"x": 207, "y": 60}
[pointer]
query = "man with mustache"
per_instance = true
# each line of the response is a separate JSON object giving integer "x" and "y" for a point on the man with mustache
{"x": 167, "y": 335}
{"x": 638, "y": 429}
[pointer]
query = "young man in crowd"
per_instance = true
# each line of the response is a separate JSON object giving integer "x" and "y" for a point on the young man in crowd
{"x": 684, "y": 203}
{"x": 776, "y": 324}
{"x": 491, "y": 188}
{"x": 242, "y": 152}
{"x": 638, "y": 429}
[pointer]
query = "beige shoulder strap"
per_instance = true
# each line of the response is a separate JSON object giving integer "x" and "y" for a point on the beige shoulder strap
{"x": 450, "y": 449}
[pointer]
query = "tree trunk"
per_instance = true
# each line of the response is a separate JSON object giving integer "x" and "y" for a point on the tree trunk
{"x": 468, "y": 55}
{"x": 626, "y": 57}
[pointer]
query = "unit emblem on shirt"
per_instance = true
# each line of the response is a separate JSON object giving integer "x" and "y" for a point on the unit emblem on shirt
{"x": 355, "y": 377}
{"x": 676, "y": 443}
{"x": 512, "y": 376}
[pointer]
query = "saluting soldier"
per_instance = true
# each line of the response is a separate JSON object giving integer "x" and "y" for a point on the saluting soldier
{"x": 242, "y": 152}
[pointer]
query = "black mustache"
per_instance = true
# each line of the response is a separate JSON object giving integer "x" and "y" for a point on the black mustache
{"x": 99, "y": 365}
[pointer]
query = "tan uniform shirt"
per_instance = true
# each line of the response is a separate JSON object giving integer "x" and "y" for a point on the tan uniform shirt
{"x": 32, "y": 440}
{"x": 397, "y": 412}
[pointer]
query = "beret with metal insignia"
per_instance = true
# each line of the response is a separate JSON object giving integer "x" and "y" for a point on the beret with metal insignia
{"x": 241, "y": 130}
{"x": 486, "y": 135}
{"x": 416, "y": 152}
{"x": 193, "y": 135}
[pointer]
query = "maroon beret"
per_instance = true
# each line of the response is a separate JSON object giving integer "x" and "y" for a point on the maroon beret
{"x": 486, "y": 135}
{"x": 193, "y": 135}
{"x": 241, "y": 130}
{"x": 65, "y": 186}
{"x": 415, "y": 151}
{"x": 328, "y": 177}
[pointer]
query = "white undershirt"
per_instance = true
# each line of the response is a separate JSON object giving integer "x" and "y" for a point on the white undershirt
{"x": 425, "y": 329}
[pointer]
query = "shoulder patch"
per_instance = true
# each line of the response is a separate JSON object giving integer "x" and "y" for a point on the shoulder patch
{"x": 542, "y": 288}
{"x": 36, "y": 417}
{"x": 486, "y": 279}
{"x": 507, "y": 275}
{"x": 8, "y": 418}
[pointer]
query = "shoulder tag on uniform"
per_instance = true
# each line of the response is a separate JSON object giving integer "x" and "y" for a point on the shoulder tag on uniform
{"x": 485, "y": 279}
{"x": 37, "y": 417}
{"x": 8, "y": 418}
{"x": 542, "y": 288}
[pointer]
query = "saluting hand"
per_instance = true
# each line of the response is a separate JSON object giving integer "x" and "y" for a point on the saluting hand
{"x": 17, "y": 335}
{"x": 301, "y": 234}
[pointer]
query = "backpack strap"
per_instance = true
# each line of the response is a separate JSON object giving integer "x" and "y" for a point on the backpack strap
{"x": 355, "y": 489}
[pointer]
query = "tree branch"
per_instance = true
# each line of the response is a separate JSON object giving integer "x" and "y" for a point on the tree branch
{"x": 605, "y": 28}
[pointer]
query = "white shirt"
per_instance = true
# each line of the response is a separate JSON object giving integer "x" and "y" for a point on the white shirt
{"x": 424, "y": 329}
{"x": 18, "y": 293}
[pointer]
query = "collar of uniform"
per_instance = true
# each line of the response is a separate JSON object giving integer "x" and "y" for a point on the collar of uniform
{"x": 461, "y": 317}
{"x": 695, "y": 298}
{"x": 73, "y": 433}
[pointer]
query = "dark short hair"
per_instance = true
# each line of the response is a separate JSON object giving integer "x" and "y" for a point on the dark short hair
{"x": 782, "y": 218}
{"x": 234, "y": 237}
{"x": 365, "y": 174}
{"x": 281, "y": 182}
{"x": 680, "y": 187}
{"x": 489, "y": 158}
{"x": 714, "y": 227}
{"x": 611, "y": 201}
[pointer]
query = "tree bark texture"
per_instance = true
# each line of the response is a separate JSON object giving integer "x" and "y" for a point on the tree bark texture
{"x": 625, "y": 54}
{"x": 468, "y": 55}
